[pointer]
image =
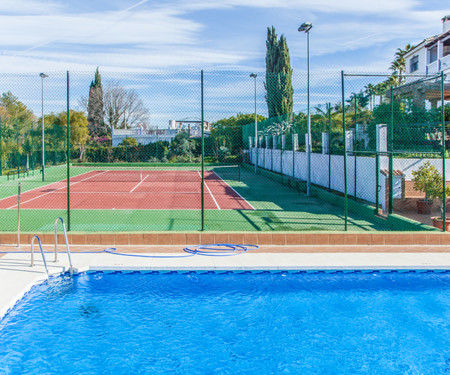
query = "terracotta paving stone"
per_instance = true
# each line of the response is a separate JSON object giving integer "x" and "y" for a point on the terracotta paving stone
{"x": 363, "y": 239}
{"x": 150, "y": 238}
{"x": 179, "y": 238}
{"x": 319, "y": 239}
{"x": 350, "y": 239}
{"x": 78, "y": 239}
{"x": 249, "y": 239}
{"x": 165, "y": 239}
{"x": 192, "y": 238}
{"x": 433, "y": 240}
{"x": 293, "y": 239}
{"x": 8, "y": 238}
{"x": 306, "y": 239}
{"x": 445, "y": 239}
{"x": 275, "y": 238}
{"x": 406, "y": 239}
{"x": 236, "y": 238}
{"x": 336, "y": 239}
{"x": 61, "y": 239}
{"x": 222, "y": 238}
{"x": 25, "y": 238}
{"x": 207, "y": 239}
{"x": 278, "y": 239}
{"x": 47, "y": 238}
{"x": 108, "y": 239}
{"x": 93, "y": 239}
{"x": 420, "y": 238}
{"x": 136, "y": 238}
{"x": 377, "y": 239}
{"x": 264, "y": 238}
{"x": 392, "y": 239}
{"x": 121, "y": 238}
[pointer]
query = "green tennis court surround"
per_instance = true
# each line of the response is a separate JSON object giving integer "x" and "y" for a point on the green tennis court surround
{"x": 200, "y": 155}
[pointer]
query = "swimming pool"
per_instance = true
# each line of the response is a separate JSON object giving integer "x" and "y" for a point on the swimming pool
{"x": 229, "y": 323}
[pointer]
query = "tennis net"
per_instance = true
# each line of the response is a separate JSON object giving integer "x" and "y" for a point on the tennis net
{"x": 153, "y": 173}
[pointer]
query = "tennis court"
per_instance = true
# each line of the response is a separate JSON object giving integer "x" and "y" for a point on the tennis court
{"x": 134, "y": 189}
{"x": 106, "y": 197}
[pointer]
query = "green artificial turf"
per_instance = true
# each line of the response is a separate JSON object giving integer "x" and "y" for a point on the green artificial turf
{"x": 279, "y": 206}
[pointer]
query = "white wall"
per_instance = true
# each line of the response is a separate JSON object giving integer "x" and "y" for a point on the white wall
{"x": 365, "y": 170}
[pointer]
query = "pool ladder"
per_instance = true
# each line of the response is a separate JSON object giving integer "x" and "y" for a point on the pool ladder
{"x": 67, "y": 243}
{"x": 56, "y": 247}
{"x": 42, "y": 253}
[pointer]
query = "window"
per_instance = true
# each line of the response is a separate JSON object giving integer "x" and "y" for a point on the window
{"x": 446, "y": 48}
{"x": 432, "y": 54}
{"x": 414, "y": 64}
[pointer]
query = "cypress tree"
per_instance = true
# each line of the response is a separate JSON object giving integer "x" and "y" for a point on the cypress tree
{"x": 279, "y": 91}
{"x": 96, "y": 123}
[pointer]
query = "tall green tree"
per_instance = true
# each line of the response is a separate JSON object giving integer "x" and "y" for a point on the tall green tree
{"x": 279, "y": 91}
{"x": 79, "y": 129}
{"x": 95, "y": 117}
{"x": 398, "y": 66}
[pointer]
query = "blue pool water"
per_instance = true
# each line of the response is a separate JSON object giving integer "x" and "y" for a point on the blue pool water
{"x": 231, "y": 323}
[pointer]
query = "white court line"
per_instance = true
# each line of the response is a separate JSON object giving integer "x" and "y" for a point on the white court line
{"x": 214, "y": 199}
{"x": 50, "y": 192}
{"x": 127, "y": 192}
{"x": 245, "y": 200}
{"x": 139, "y": 184}
{"x": 47, "y": 186}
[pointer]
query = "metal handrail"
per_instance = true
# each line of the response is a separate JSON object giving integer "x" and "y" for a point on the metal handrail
{"x": 42, "y": 252}
{"x": 67, "y": 243}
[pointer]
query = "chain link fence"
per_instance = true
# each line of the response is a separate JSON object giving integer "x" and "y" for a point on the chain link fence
{"x": 181, "y": 151}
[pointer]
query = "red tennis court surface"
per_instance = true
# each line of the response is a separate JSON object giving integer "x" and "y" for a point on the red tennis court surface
{"x": 132, "y": 190}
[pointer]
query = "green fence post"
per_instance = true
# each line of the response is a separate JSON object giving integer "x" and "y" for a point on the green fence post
{"x": 1, "y": 153}
{"x": 68, "y": 154}
{"x": 18, "y": 154}
{"x": 377, "y": 182}
{"x": 281, "y": 158}
{"x": 444, "y": 197}
{"x": 355, "y": 147}
{"x": 203, "y": 158}
{"x": 391, "y": 155}
{"x": 54, "y": 144}
{"x": 293, "y": 156}
{"x": 345, "y": 152}
{"x": 329, "y": 146}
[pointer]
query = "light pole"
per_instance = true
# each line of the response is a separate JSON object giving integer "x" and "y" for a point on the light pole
{"x": 254, "y": 75}
{"x": 305, "y": 27}
{"x": 43, "y": 75}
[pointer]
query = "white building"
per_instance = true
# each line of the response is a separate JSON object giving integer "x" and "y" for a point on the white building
{"x": 145, "y": 135}
{"x": 429, "y": 58}
{"x": 432, "y": 55}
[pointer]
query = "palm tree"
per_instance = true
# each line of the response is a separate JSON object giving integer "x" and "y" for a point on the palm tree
{"x": 398, "y": 66}
{"x": 370, "y": 91}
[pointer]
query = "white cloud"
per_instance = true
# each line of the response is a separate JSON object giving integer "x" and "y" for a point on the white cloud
{"x": 140, "y": 28}
{"x": 134, "y": 60}
{"x": 29, "y": 7}
{"x": 325, "y": 6}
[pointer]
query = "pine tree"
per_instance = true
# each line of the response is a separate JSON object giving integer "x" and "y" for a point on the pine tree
{"x": 279, "y": 91}
{"x": 96, "y": 121}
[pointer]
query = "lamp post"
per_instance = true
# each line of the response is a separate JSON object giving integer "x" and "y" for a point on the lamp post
{"x": 43, "y": 75}
{"x": 305, "y": 27}
{"x": 254, "y": 75}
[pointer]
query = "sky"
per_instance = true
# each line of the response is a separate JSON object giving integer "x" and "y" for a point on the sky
{"x": 156, "y": 36}
{"x": 123, "y": 35}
